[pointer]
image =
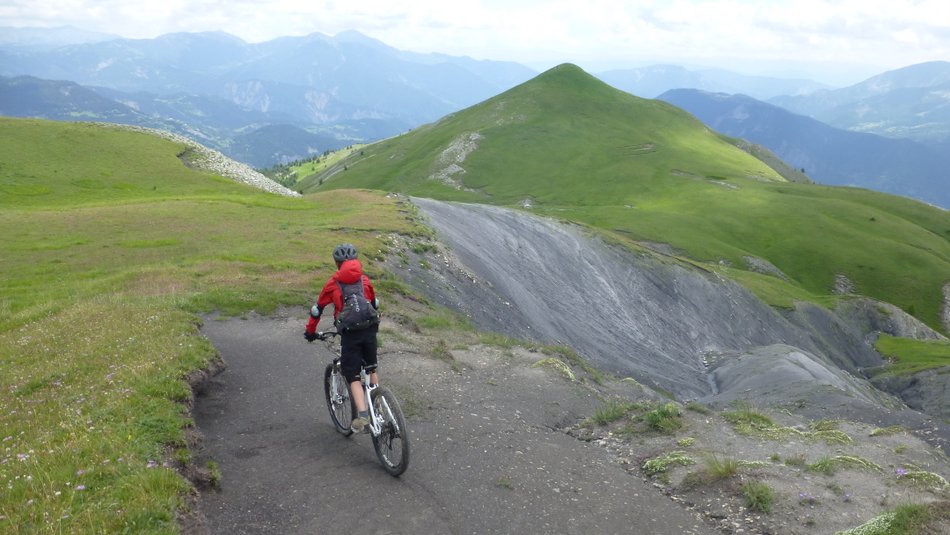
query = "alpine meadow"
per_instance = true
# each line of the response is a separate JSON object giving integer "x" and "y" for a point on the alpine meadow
{"x": 111, "y": 244}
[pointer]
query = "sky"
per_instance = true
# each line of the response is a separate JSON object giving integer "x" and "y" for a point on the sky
{"x": 836, "y": 42}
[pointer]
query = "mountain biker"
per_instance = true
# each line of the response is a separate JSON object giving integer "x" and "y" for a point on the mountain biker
{"x": 357, "y": 347}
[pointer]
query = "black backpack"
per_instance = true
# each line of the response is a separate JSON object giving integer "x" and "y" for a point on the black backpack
{"x": 357, "y": 313}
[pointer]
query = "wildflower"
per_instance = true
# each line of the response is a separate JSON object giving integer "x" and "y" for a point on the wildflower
{"x": 22, "y": 456}
{"x": 901, "y": 472}
{"x": 151, "y": 464}
{"x": 80, "y": 472}
{"x": 80, "y": 487}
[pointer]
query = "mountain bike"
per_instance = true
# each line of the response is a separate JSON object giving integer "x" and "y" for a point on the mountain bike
{"x": 387, "y": 425}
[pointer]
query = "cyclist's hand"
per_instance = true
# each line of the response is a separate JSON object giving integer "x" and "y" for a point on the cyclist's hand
{"x": 310, "y": 336}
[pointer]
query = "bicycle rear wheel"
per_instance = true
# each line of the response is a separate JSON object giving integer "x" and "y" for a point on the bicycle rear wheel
{"x": 338, "y": 400}
{"x": 392, "y": 444}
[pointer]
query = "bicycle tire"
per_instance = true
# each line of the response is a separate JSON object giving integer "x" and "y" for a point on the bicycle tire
{"x": 392, "y": 444}
{"x": 339, "y": 402}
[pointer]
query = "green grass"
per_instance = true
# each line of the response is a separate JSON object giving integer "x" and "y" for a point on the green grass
{"x": 644, "y": 170}
{"x": 908, "y": 519}
{"x": 748, "y": 416}
{"x": 612, "y": 411}
{"x": 718, "y": 469}
{"x": 758, "y": 496}
{"x": 830, "y": 465}
{"x": 666, "y": 418}
{"x": 911, "y": 356}
{"x": 110, "y": 246}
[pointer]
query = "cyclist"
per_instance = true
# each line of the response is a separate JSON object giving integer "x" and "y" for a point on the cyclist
{"x": 357, "y": 347}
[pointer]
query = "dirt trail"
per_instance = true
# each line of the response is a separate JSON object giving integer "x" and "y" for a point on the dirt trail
{"x": 488, "y": 451}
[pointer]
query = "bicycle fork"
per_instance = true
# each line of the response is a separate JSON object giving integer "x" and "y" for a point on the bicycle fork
{"x": 375, "y": 421}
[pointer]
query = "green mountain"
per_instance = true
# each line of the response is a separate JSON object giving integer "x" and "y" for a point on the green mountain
{"x": 550, "y": 139}
{"x": 572, "y": 147}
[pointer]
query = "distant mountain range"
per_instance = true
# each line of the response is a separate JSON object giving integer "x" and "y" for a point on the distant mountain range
{"x": 912, "y": 102}
{"x": 214, "y": 86}
{"x": 827, "y": 154}
{"x": 652, "y": 81}
{"x": 292, "y": 98}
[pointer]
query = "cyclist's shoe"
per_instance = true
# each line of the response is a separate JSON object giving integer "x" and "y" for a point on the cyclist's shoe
{"x": 360, "y": 425}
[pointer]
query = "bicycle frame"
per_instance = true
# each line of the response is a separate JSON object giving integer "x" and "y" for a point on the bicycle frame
{"x": 375, "y": 420}
{"x": 387, "y": 424}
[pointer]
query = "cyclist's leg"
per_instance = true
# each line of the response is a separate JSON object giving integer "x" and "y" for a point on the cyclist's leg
{"x": 350, "y": 357}
{"x": 370, "y": 360}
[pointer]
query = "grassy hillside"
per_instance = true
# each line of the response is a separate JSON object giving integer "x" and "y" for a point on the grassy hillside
{"x": 554, "y": 139}
{"x": 109, "y": 246}
{"x": 580, "y": 150}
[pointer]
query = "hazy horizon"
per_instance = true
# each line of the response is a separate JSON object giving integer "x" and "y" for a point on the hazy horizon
{"x": 837, "y": 43}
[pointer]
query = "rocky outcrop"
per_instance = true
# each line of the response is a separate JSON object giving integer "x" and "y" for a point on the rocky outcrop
{"x": 926, "y": 391}
{"x": 210, "y": 160}
{"x": 780, "y": 374}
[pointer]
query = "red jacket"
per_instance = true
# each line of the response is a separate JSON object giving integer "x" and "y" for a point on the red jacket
{"x": 350, "y": 271}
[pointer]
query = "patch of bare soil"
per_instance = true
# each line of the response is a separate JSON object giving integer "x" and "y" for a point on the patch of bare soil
{"x": 789, "y": 477}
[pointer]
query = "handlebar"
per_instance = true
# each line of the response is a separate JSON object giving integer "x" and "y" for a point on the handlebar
{"x": 324, "y": 335}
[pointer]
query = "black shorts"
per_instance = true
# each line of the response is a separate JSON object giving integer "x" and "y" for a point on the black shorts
{"x": 358, "y": 348}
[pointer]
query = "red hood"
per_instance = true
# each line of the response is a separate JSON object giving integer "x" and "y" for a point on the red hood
{"x": 350, "y": 271}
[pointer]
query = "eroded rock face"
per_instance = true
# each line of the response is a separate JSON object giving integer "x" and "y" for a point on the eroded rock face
{"x": 927, "y": 391}
{"x": 876, "y": 316}
{"x": 641, "y": 315}
{"x": 781, "y": 373}
{"x": 673, "y": 328}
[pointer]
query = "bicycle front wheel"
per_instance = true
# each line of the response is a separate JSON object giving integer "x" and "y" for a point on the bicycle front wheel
{"x": 338, "y": 400}
{"x": 392, "y": 444}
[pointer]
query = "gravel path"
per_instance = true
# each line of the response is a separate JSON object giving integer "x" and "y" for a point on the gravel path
{"x": 489, "y": 453}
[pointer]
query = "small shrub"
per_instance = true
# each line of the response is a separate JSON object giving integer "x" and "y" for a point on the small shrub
{"x": 746, "y": 416}
{"x": 824, "y": 425}
{"x": 923, "y": 479}
{"x": 698, "y": 407}
{"x": 903, "y": 520}
{"x": 796, "y": 460}
{"x": 612, "y": 411}
{"x": 824, "y": 465}
{"x": 215, "y": 475}
{"x": 888, "y": 431}
{"x": 659, "y": 465}
{"x": 718, "y": 469}
{"x": 558, "y": 365}
{"x": 665, "y": 419}
{"x": 758, "y": 496}
{"x": 829, "y": 465}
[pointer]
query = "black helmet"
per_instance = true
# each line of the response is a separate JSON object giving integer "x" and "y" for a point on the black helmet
{"x": 344, "y": 251}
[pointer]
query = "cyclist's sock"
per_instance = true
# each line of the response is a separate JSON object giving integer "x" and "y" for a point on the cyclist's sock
{"x": 363, "y": 414}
